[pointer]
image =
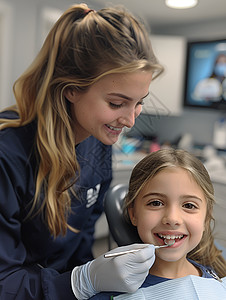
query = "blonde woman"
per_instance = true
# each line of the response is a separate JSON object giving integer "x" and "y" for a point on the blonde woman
{"x": 170, "y": 201}
{"x": 87, "y": 83}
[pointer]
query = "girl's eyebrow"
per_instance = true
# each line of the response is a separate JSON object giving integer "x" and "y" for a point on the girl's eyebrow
{"x": 154, "y": 194}
{"x": 163, "y": 195}
{"x": 125, "y": 96}
{"x": 192, "y": 196}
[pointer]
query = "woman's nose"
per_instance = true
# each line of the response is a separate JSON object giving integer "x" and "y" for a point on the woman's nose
{"x": 127, "y": 120}
{"x": 129, "y": 117}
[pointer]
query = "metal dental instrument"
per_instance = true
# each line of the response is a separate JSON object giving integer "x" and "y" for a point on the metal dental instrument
{"x": 135, "y": 250}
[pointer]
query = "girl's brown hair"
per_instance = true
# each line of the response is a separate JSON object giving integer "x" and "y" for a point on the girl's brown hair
{"x": 82, "y": 47}
{"x": 205, "y": 253}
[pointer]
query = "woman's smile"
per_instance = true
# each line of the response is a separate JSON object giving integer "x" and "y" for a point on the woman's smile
{"x": 114, "y": 130}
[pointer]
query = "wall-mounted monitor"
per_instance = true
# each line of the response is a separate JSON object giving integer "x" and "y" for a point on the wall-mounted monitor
{"x": 205, "y": 80}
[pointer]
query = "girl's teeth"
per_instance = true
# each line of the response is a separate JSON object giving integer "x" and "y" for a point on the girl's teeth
{"x": 172, "y": 237}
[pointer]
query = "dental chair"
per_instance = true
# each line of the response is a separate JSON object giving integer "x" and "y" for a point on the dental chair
{"x": 121, "y": 231}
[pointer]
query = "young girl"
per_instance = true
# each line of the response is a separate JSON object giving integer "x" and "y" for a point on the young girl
{"x": 89, "y": 79}
{"x": 170, "y": 201}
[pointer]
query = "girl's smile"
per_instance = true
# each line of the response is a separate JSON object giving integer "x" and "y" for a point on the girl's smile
{"x": 172, "y": 238}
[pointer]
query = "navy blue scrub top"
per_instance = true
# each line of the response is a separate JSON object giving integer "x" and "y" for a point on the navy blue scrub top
{"x": 34, "y": 265}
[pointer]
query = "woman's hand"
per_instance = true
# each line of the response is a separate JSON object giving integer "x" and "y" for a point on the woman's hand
{"x": 124, "y": 273}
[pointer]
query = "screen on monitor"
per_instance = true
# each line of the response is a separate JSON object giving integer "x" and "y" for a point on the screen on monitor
{"x": 205, "y": 81}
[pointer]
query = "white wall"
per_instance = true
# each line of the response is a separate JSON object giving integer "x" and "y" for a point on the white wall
{"x": 21, "y": 36}
{"x": 5, "y": 51}
{"x": 211, "y": 30}
{"x": 19, "y": 28}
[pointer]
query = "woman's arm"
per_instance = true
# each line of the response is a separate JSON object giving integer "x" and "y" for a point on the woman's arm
{"x": 21, "y": 278}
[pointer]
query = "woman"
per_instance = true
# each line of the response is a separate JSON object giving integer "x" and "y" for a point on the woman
{"x": 89, "y": 79}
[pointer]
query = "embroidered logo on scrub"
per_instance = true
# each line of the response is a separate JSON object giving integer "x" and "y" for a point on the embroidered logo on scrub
{"x": 92, "y": 195}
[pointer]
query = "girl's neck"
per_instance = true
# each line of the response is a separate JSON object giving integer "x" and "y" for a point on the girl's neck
{"x": 174, "y": 270}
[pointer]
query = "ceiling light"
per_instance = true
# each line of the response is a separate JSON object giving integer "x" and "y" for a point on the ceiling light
{"x": 181, "y": 4}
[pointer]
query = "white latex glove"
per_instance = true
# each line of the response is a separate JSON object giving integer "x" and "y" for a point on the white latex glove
{"x": 124, "y": 273}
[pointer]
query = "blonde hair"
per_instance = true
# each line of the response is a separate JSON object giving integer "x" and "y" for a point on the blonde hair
{"x": 82, "y": 47}
{"x": 205, "y": 253}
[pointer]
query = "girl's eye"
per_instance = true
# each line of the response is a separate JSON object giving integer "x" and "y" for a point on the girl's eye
{"x": 155, "y": 203}
{"x": 190, "y": 206}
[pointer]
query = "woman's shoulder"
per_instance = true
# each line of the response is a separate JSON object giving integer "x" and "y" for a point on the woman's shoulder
{"x": 16, "y": 137}
{"x": 17, "y": 145}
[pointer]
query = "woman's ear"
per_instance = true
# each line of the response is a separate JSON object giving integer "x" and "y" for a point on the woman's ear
{"x": 132, "y": 216}
{"x": 71, "y": 94}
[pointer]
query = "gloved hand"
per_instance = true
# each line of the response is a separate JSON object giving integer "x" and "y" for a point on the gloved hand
{"x": 124, "y": 273}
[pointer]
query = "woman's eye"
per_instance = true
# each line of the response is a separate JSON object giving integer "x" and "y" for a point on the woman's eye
{"x": 140, "y": 103}
{"x": 113, "y": 105}
{"x": 190, "y": 206}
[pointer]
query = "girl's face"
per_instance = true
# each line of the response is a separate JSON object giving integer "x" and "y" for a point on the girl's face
{"x": 109, "y": 105}
{"x": 171, "y": 206}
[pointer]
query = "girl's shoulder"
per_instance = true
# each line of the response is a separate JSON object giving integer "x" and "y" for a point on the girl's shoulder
{"x": 207, "y": 272}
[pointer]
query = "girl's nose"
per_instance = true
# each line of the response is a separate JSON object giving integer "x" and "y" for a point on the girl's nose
{"x": 172, "y": 217}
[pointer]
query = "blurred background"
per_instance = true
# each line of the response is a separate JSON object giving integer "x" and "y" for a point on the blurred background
{"x": 187, "y": 105}
{"x": 25, "y": 23}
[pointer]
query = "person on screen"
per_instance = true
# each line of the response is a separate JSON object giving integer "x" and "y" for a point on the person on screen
{"x": 212, "y": 88}
{"x": 219, "y": 70}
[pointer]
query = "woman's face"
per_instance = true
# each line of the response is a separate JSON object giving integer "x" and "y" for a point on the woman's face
{"x": 109, "y": 105}
{"x": 173, "y": 207}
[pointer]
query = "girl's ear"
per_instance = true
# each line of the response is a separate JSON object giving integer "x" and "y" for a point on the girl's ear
{"x": 132, "y": 216}
{"x": 71, "y": 94}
